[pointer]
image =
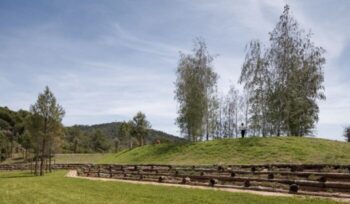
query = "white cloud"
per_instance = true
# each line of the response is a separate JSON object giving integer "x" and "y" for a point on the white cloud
{"x": 111, "y": 74}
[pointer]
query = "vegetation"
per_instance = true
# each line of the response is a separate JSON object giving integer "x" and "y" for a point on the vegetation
{"x": 140, "y": 127}
{"x": 21, "y": 132}
{"x": 80, "y": 158}
{"x": 284, "y": 81}
{"x": 195, "y": 92}
{"x": 253, "y": 150}
{"x": 12, "y": 129}
{"x": 282, "y": 85}
{"x": 55, "y": 188}
{"x": 113, "y": 133}
{"x": 347, "y": 134}
{"x": 45, "y": 129}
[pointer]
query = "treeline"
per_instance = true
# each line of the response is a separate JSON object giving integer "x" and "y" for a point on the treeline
{"x": 36, "y": 132}
{"x": 13, "y": 137}
{"x": 39, "y": 134}
{"x": 113, "y": 137}
{"x": 22, "y": 133}
{"x": 282, "y": 82}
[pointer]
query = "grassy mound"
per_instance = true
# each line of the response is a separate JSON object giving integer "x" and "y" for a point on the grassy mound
{"x": 254, "y": 150}
{"x": 22, "y": 187}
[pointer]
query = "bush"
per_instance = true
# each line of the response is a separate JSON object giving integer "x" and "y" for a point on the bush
{"x": 347, "y": 134}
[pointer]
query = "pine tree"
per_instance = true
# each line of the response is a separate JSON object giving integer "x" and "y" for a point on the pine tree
{"x": 46, "y": 126}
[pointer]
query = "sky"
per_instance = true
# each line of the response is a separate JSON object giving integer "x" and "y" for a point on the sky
{"x": 106, "y": 60}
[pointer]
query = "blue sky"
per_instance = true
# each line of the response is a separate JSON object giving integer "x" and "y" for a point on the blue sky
{"x": 106, "y": 60}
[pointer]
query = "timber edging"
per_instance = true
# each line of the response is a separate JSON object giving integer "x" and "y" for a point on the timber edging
{"x": 303, "y": 179}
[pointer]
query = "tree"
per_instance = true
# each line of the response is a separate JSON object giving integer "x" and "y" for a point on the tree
{"x": 26, "y": 143}
{"x": 99, "y": 142}
{"x": 347, "y": 133}
{"x": 298, "y": 70}
{"x": 256, "y": 78}
{"x": 3, "y": 146}
{"x": 140, "y": 127}
{"x": 231, "y": 113}
{"x": 75, "y": 138}
{"x": 45, "y": 125}
{"x": 125, "y": 130}
{"x": 195, "y": 91}
{"x": 285, "y": 81}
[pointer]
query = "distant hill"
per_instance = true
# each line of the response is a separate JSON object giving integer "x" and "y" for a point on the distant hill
{"x": 111, "y": 131}
{"x": 253, "y": 150}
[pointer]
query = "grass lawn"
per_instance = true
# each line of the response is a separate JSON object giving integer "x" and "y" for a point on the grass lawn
{"x": 65, "y": 158}
{"x": 22, "y": 187}
{"x": 253, "y": 150}
{"x": 80, "y": 158}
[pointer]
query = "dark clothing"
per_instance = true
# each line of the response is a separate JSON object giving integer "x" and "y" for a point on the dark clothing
{"x": 243, "y": 133}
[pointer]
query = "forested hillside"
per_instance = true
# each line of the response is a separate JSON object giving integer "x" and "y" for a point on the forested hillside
{"x": 15, "y": 136}
{"x": 112, "y": 136}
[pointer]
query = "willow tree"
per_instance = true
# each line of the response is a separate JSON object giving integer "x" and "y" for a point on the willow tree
{"x": 195, "y": 91}
{"x": 46, "y": 127}
{"x": 285, "y": 80}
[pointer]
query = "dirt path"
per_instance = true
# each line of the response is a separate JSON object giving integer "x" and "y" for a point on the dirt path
{"x": 73, "y": 174}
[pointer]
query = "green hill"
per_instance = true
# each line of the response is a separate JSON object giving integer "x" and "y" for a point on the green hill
{"x": 111, "y": 131}
{"x": 252, "y": 150}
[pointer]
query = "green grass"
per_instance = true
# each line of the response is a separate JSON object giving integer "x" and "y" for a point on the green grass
{"x": 22, "y": 187}
{"x": 254, "y": 150}
{"x": 64, "y": 158}
{"x": 80, "y": 158}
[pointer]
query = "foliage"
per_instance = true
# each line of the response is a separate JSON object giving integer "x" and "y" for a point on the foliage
{"x": 99, "y": 142}
{"x": 12, "y": 128}
{"x": 284, "y": 81}
{"x": 347, "y": 133}
{"x": 195, "y": 92}
{"x": 112, "y": 133}
{"x": 125, "y": 130}
{"x": 45, "y": 127}
{"x": 140, "y": 127}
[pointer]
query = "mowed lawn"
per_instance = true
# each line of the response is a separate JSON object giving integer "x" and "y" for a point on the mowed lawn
{"x": 253, "y": 150}
{"x": 22, "y": 187}
{"x": 80, "y": 158}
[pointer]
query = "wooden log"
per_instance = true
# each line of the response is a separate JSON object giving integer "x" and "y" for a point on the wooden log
{"x": 186, "y": 180}
{"x": 293, "y": 188}
{"x": 213, "y": 182}
{"x": 161, "y": 179}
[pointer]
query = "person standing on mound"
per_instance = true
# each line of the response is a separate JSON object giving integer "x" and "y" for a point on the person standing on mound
{"x": 243, "y": 130}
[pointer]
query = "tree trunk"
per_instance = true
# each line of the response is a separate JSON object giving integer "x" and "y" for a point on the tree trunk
{"x": 36, "y": 164}
{"x": 50, "y": 160}
{"x": 42, "y": 158}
